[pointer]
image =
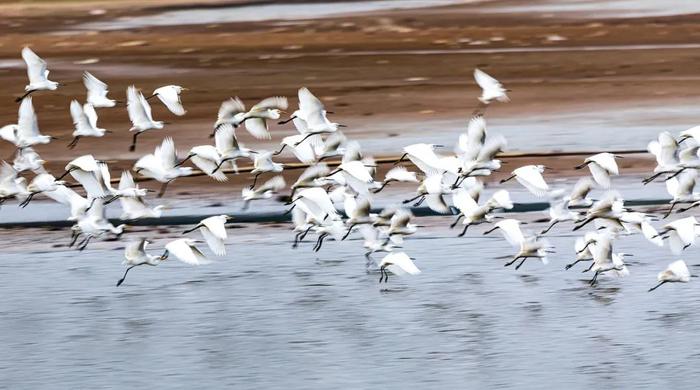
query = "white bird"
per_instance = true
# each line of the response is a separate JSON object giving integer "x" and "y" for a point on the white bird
{"x": 85, "y": 122}
{"x": 263, "y": 163}
{"x": 424, "y": 157}
{"x": 665, "y": 149}
{"x": 213, "y": 230}
{"x": 43, "y": 182}
{"x": 37, "y": 73}
{"x": 313, "y": 176}
{"x": 605, "y": 261}
{"x": 231, "y": 112}
{"x": 90, "y": 173}
{"x": 28, "y": 159}
{"x": 609, "y": 208}
{"x": 530, "y": 176}
{"x": 97, "y": 92}
{"x": 528, "y": 247}
{"x": 510, "y": 228}
{"x": 474, "y": 214}
{"x": 135, "y": 255}
{"x": 676, "y": 272}
{"x": 140, "y": 115}
{"x": 316, "y": 202}
{"x": 578, "y": 195}
{"x": 313, "y": 113}
{"x": 602, "y": 166}
{"x": 680, "y": 233}
{"x": 559, "y": 210}
{"x": 185, "y": 250}
{"x": 265, "y": 191}
{"x": 162, "y": 165}
{"x": 583, "y": 247}
{"x": 640, "y": 222}
{"x": 256, "y": 118}
{"x": 27, "y": 129}
{"x": 397, "y": 174}
{"x": 398, "y": 263}
{"x": 355, "y": 174}
{"x": 373, "y": 243}
{"x": 400, "y": 226}
{"x": 208, "y": 160}
{"x": 94, "y": 224}
{"x": 170, "y": 96}
{"x": 491, "y": 88}
{"x": 432, "y": 189}
{"x": 11, "y": 185}
{"x": 131, "y": 198}
{"x": 681, "y": 188}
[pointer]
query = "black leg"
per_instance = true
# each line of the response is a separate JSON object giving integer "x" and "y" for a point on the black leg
{"x": 193, "y": 229}
{"x": 163, "y": 187}
{"x": 349, "y": 230}
{"x": 657, "y": 286}
{"x": 460, "y": 216}
{"x": 568, "y": 266}
{"x": 420, "y": 201}
{"x": 403, "y": 157}
{"x": 255, "y": 180}
{"x": 304, "y": 139}
{"x": 551, "y": 225}
{"x": 125, "y": 272}
{"x": 507, "y": 179}
{"x": 589, "y": 268}
{"x": 464, "y": 231}
{"x": 19, "y": 99}
{"x": 508, "y": 264}
{"x": 85, "y": 243}
{"x": 132, "y": 147}
{"x": 412, "y": 199}
{"x": 74, "y": 142}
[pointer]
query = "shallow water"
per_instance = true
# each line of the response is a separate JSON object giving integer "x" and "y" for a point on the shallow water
{"x": 267, "y": 316}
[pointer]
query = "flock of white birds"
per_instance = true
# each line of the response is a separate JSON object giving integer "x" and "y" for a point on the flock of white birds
{"x": 319, "y": 192}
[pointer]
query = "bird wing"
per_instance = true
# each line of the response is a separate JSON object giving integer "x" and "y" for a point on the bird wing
{"x": 501, "y": 198}
{"x": 400, "y": 173}
{"x": 680, "y": 270}
{"x": 126, "y": 181}
{"x": 423, "y": 156}
{"x": 166, "y": 153}
{"x": 600, "y": 175}
{"x": 36, "y": 67}
{"x": 401, "y": 264}
{"x": 91, "y": 115}
{"x": 207, "y": 166}
{"x": 275, "y": 184}
{"x": 225, "y": 139}
{"x": 308, "y": 103}
{"x": 217, "y": 245}
{"x": 229, "y": 108}
{"x": 463, "y": 201}
{"x": 170, "y": 96}
{"x": 257, "y": 127}
{"x": 357, "y": 170}
{"x": 93, "y": 187}
{"x": 314, "y": 172}
{"x": 135, "y": 107}
{"x": 96, "y": 89}
{"x": 80, "y": 120}
{"x": 471, "y": 142}
{"x": 510, "y": 228}
{"x": 185, "y": 251}
{"x": 27, "y": 122}
{"x": 436, "y": 202}
{"x": 531, "y": 178}
{"x": 216, "y": 226}
{"x": 271, "y": 103}
{"x": 607, "y": 162}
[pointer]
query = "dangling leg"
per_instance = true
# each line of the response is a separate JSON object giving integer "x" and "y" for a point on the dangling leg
{"x": 657, "y": 286}
{"x": 517, "y": 267}
{"x": 464, "y": 231}
{"x": 125, "y": 272}
{"x": 74, "y": 142}
{"x": 255, "y": 180}
{"x": 132, "y": 147}
{"x": 460, "y": 216}
{"x": 163, "y": 187}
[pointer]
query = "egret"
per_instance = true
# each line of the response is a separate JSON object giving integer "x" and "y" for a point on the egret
{"x": 680, "y": 233}
{"x": 559, "y": 211}
{"x": 162, "y": 165}
{"x": 491, "y": 88}
{"x": 28, "y": 159}
{"x": 97, "y": 92}
{"x": 85, "y": 122}
{"x": 169, "y": 95}
{"x": 604, "y": 261}
{"x": 313, "y": 113}
{"x": 135, "y": 255}
{"x": 184, "y": 249}
{"x": 530, "y": 176}
{"x": 27, "y": 130}
{"x": 11, "y": 185}
{"x": 44, "y": 182}
{"x": 213, "y": 230}
{"x": 263, "y": 163}
{"x": 132, "y": 201}
{"x": 578, "y": 195}
{"x": 94, "y": 224}
{"x": 397, "y": 174}
{"x": 233, "y": 112}
{"x": 140, "y": 115}
{"x": 602, "y": 166}
{"x": 37, "y": 73}
{"x": 265, "y": 191}
{"x": 676, "y": 272}
{"x": 398, "y": 263}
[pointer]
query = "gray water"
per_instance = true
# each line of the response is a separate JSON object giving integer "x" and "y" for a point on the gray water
{"x": 267, "y": 316}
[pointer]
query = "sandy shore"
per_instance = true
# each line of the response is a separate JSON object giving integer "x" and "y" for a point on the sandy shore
{"x": 388, "y": 75}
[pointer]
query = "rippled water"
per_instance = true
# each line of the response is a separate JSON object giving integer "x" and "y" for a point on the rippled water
{"x": 268, "y": 316}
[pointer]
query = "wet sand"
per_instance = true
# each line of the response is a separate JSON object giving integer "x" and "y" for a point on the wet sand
{"x": 394, "y": 92}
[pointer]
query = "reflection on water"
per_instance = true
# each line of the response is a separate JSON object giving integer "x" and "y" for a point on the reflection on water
{"x": 269, "y": 316}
